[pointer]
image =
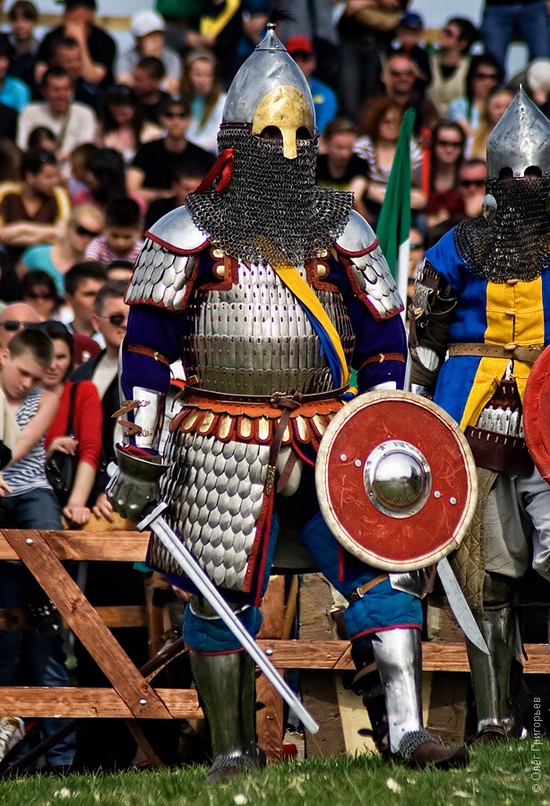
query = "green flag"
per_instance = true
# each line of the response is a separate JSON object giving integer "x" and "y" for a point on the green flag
{"x": 395, "y": 217}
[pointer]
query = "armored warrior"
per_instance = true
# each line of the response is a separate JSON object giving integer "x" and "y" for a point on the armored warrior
{"x": 269, "y": 289}
{"x": 483, "y": 295}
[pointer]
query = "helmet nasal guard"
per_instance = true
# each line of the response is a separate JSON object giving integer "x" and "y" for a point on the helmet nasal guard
{"x": 270, "y": 94}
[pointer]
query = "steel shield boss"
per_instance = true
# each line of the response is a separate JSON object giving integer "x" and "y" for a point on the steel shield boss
{"x": 396, "y": 480}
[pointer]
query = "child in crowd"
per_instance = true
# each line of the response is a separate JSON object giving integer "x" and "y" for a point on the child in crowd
{"x": 31, "y": 657}
{"x": 121, "y": 241}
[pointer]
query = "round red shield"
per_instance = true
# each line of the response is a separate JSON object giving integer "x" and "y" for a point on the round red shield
{"x": 536, "y": 413}
{"x": 396, "y": 480}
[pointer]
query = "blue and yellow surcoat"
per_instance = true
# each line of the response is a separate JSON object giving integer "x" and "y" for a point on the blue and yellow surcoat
{"x": 508, "y": 313}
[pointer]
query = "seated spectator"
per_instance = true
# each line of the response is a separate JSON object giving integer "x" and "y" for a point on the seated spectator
{"x": 324, "y": 98}
{"x": 13, "y": 318}
{"x": 184, "y": 181}
{"x": 472, "y": 177}
{"x": 150, "y": 174}
{"x": 66, "y": 52}
{"x": 38, "y": 291}
{"x": 121, "y": 241}
{"x": 484, "y": 73}
{"x": 146, "y": 81}
{"x": 71, "y": 122}
{"x": 379, "y": 131}
{"x": 105, "y": 180}
{"x": 23, "y": 17}
{"x": 33, "y": 210}
{"x": 97, "y": 46}
{"x": 78, "y": 172}
{"x": 43, "y": 138}
{"x": 121, "y": 124}
{"x": 399, "y": 77}
{"x": 408, "y": 40}
{"x": 85, "y": 442}
{"x": 69, "y": 247}
{"x": 449, "y": 63}
{"x": 110, "y": 316}
{"x": 201, "y": 85}
{"x": 446, "y": 156}
{"x": 147, "y": 28}
{"x": 339, "y": 167}
{"x": 498, "y": 101}
{"x": 13, "y": 91}
{"x": 416, "y": 256}
{"x": 82, "y": 282}
{"x": 34, "y": 656}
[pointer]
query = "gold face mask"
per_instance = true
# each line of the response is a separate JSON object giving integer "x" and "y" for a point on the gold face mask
{"x": 286, "y": 109}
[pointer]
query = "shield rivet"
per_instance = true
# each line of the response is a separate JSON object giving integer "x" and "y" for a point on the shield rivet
{"x": 343, "y": 457}
{"x": 437, "y": 494}
{"x": 452, "y": 500}
{"x": 358, "y": 463}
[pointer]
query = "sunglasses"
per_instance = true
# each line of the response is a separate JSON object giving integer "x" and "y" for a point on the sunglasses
{"x": 116, "y": 319}
{"x": 81, "y": 230}
{"x": 449, "y": 143}
{"x": 401, "y": 72}
{"x": 171, "y": 115}
{"x": 14, "y": 324}
{"x": 39, "y": 295}
{"x": 464, "y": 183}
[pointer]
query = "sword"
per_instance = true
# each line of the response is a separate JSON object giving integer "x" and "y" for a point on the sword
{"x": 460, "y": 607}
{"x": 185, "y": 559}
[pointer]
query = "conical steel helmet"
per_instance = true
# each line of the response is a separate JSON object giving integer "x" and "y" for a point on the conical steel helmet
{"x": 270, "y": 90}
{"x": 520, "y": 140}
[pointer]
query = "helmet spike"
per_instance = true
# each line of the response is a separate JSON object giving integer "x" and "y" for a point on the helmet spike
{"x": 520, "y": 140}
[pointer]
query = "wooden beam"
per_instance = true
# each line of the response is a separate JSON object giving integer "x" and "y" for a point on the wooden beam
{"x": 32, "y": 547}
{"x": 110, "y": 615}
{"x": 436, "y": 656}
{"x": 93, "y": 546}
{"x": 76, "y": 702}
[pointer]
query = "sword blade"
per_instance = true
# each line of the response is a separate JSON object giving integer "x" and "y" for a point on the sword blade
{"x": 185, "y": 559}
{"x": 460, "y": 607}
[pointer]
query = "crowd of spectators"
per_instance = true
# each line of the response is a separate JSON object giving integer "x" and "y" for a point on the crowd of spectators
{"x": 95, "y": 146}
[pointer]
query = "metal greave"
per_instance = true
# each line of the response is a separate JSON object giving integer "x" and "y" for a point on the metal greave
{"x": 398, "y": 655}
{"x": 227, "y": 690}
{"x": 491, "y": 674}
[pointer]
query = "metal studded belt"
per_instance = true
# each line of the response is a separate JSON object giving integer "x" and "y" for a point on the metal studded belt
{"x": 277, "y": 399}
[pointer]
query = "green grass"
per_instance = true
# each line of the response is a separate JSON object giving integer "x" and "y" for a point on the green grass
{"x": 497, "y": 776}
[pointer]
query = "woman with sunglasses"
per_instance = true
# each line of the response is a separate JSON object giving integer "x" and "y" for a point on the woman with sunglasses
{"x": 84, "y": 224}
{"x": 85, "y": 443}
{"x": 484, "y": 73}
{"x": 446, "y": 155}
{"x": 38, "y": 291}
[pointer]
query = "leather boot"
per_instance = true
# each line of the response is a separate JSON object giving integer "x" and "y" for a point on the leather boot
{"x": 227, "y": 692}
{"x": 398, "y": 655}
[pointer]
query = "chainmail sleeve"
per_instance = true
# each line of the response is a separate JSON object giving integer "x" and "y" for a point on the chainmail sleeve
{"x": 433, "y": 309}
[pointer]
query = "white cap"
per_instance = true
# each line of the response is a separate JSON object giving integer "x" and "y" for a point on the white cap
{"x": 146, "y": 22}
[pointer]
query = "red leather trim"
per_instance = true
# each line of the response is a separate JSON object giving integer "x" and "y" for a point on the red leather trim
{"x": 360, "y": 252}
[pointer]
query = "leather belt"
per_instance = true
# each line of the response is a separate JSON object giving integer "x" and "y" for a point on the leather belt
{"x": 281, "y": 400}
{"x": 527, "y": 354}
{"x": 372, "y": 583}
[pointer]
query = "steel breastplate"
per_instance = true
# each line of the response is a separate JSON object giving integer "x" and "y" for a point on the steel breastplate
{"x": 256, "y": 338}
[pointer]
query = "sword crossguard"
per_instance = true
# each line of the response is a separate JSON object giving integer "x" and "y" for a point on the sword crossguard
{"x": 151, "y": 516}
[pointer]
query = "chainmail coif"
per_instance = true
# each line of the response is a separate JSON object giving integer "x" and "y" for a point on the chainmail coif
{"x": 272, "y": 197}
{"x": 517, "y": 243}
